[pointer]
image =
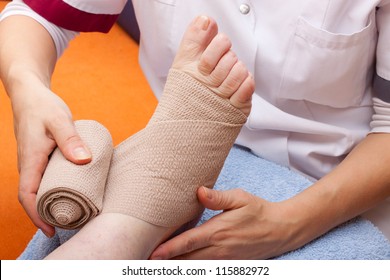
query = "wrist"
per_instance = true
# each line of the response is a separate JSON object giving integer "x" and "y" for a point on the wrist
{"x": 291, "y": 225}
{"x": 309, "y": 214}
{"x": 33, "y": 101}
{"x": 288, "y": 225}
{"x": 20, "y": 81}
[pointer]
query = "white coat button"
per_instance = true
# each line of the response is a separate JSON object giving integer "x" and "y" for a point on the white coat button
{"x": 244, "y": 9}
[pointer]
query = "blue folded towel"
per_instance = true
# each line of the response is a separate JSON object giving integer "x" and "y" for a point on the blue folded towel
{"x": 356, "y": 239}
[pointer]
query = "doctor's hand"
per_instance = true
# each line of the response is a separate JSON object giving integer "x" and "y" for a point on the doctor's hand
{"x": 248, "y": 228}
{"x": 41, "y": 122}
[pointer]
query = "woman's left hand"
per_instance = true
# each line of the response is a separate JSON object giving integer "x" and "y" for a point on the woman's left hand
{"x": 248, "y": 228}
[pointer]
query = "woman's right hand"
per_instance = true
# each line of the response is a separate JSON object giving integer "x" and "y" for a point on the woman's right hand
{"x": 42, "y": 121}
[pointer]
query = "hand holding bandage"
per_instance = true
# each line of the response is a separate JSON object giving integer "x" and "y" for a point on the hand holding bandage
{"x": 70, "y": 194}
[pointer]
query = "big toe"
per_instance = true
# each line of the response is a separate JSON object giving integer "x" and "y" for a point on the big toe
{"x": 196, "y": 38}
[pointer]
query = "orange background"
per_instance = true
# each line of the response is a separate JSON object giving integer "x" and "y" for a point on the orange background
{"x": 99, "y": 78}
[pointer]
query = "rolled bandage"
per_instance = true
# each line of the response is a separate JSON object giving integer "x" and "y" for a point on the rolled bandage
{"x": 70, "y": 195}
{"x": 155, "y": 173}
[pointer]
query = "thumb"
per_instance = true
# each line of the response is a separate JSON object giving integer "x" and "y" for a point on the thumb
{"x": 70, "y": 143}
{"x": 222, "y": 200}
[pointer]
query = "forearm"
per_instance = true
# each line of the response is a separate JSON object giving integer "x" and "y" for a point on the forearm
{"x": 360, "y": 182}
{"x": 27, "y": 52}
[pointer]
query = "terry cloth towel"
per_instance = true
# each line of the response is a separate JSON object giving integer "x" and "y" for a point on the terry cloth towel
{"x": 357, "y": 239}
{"x": 70, "y": 195}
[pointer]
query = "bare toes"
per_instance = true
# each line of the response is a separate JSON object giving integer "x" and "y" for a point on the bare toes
{"x": 197, "y": 37}
{"x": 235, "y": 78}
{"x": 222, "y": 70}
{"x": 207, "y": 56}
{"x": 242, "y": 97}
{"x": 213, "y": 53}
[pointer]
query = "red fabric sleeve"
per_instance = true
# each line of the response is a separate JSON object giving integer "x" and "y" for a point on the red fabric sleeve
{"x": 68, "y": 17}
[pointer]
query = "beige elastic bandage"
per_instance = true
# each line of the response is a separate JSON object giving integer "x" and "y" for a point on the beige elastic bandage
{"x": 155, "y": 173}
{"x": 70, "y": 195}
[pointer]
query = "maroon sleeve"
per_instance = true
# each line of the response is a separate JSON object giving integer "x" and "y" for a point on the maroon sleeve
{"x": 68, "y": 17}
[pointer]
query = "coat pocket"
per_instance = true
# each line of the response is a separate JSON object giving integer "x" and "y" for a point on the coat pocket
{"x": 328, "y": 68}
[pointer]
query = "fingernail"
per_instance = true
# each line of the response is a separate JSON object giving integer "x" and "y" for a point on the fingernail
{"x": 47, "y": 234}
{"x": 207, "y": 192}
{"x": 81, "y": 153}
{"x": 202, "y": 22}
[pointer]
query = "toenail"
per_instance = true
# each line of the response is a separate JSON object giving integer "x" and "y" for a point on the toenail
{"x": 202, "y": 22}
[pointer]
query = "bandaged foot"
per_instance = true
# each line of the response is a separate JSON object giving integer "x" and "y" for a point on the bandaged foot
{"x": 70, "y": 195}
{"x": 154, "y": 174}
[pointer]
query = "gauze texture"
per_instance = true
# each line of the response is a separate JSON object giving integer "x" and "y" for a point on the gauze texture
{"x": 70, "y": 195}
{"x": 155, "y": 173}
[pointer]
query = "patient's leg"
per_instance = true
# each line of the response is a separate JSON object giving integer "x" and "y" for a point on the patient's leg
{"x": 151, "y": 188}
